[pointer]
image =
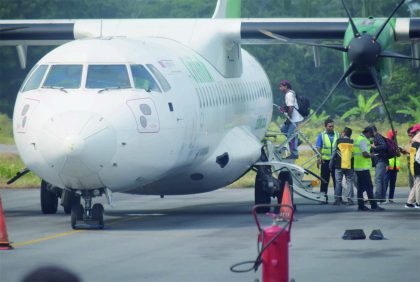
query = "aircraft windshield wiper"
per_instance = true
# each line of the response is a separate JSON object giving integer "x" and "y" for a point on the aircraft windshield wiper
{"x": 111, "y": 88}
{"x": 55, "y": 87}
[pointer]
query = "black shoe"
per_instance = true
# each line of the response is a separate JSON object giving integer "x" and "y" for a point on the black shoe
{"x": 363, "y": 208}
{"x": 377, "y": 208}
{"x": 409, "y": 206}
{"x": 291, "y": 157}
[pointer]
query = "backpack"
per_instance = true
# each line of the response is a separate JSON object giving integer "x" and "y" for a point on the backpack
{"x": 303, "y": 104}
{"x": 391, "y": 148}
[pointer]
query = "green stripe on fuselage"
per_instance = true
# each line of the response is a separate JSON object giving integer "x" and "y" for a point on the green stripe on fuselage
{"x": 197, "y": 70}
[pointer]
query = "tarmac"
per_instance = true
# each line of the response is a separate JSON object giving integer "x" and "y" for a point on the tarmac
{"x": 199, "y": 237}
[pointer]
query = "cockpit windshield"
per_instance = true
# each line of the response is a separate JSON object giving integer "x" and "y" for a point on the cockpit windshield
{"x": 64, "y": 76}
{"x": 107, "y": 76}
{"x": 143, "y": 79}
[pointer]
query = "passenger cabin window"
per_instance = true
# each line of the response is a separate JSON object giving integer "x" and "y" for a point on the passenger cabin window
{"x": 159, "y": 76}
{"x": 66, "y": 76}
{"x": 107, "y": 76}
{"x": 143, "y": 79}
{"x": 34, "y": 78}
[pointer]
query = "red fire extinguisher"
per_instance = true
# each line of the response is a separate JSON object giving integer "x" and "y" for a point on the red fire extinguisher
{"x": 274, "y": 241}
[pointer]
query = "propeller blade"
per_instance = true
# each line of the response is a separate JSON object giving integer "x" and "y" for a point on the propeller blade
{"x": 350, "y": 69}
{"x": 378, "y": 33}
{"x": 374, "y": 75}
{"x": 390, "y": 54}
{"x": 356, "y": 33}
{"x": 291, "y": 41}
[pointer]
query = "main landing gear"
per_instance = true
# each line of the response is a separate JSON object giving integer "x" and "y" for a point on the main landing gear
{"x": 87, "y": 217}
{"x": 267, "y": 186}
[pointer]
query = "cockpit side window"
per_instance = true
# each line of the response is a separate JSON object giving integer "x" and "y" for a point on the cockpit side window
{"x": 159, "y": 76}
{"x": 107, "y": 76}
{"x": 66, "y": 76}
{"x": 143, "y": 79}
{"x": 34, "y": 78}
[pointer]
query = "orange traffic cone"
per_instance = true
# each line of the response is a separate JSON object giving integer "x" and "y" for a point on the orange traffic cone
{"x": 4, "y": 241}
{"x": 286, "y": 200}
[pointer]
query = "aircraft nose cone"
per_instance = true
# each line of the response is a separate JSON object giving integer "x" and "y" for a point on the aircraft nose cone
{"x": 76, "y": 146}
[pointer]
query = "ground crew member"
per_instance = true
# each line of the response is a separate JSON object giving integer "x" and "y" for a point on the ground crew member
{"x": 362, "y": 166}
{"x": 392, "y": 171}
{"x": 325, "y": 144}
{"x": 413, "y": 200}
{"x": 342, "y": 162}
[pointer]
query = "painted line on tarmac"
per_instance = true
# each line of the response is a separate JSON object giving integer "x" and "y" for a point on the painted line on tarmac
{"x": 59, "y": 235}
{"x": 42, "y": 239}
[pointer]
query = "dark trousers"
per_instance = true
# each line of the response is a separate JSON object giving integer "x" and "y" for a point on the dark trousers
{"x": 364, "y": 183}
{"x": 391, "y": 178}
{"x": 325, "y": 174}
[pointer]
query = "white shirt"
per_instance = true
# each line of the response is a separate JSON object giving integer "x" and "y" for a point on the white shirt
{"x": 290, "y": 100}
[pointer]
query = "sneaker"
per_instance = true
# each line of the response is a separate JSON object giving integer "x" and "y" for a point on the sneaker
{"x": 378, "y": 208}
{"x": 417, "y": 206}
{"x": 409, "y": 206}
{"x": 363, "y": 208}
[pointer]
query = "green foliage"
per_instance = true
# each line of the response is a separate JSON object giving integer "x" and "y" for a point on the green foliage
{"x": 363, "y": 107}
{"x": 6, "y": 130}
{"x": 412, "y": 109}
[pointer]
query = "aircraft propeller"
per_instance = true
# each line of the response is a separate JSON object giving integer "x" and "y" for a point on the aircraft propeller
{"x": 364, "y": 51}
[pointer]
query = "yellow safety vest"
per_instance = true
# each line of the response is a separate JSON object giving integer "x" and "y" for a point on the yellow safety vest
{"x": 394, "y": 162}
{"x": 412, "y": 155}
{"x": 346, "y": 150}
{"x": 360, "y": 162}
{"x": 327, "y": 147}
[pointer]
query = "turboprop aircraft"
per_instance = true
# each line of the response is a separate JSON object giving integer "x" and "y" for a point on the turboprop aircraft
{"x": 158, "y": 106}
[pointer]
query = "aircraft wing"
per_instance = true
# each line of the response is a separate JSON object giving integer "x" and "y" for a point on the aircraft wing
{"x": 199, "y": 34}
{"x": 406, "y": 29}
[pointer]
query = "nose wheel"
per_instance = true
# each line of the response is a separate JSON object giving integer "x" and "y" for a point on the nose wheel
{"x": 88, "y": 217}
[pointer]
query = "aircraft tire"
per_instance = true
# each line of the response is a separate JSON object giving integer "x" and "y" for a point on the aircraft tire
{"x": 76, "y": 214}
{"x": 98, "y": 214}
{"x": 72, "y": 200}
{"x": 261, "y": 196}
{"x": 49, "y": 200}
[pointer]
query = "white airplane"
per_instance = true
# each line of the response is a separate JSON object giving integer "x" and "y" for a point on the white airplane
{"x": 151, "y": 107}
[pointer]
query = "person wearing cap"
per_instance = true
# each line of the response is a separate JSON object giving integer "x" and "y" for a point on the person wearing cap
{"x": 325, "y": 144}
{"x": 413, "y": 200}
{"x": 362, "y": 166}
{"x": 391, "y": 171}
{"x": 293, "y": 116}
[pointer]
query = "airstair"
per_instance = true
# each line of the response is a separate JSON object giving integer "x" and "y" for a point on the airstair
{"x": 276, "y": 156}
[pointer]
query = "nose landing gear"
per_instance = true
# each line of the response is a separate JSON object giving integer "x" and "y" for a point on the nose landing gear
{"x": 88, "y": 217}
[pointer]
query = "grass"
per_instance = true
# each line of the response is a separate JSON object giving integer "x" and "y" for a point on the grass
{"x": 10, "y": 164}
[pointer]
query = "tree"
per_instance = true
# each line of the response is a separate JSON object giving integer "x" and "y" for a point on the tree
{"x": 363, "y": 107}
